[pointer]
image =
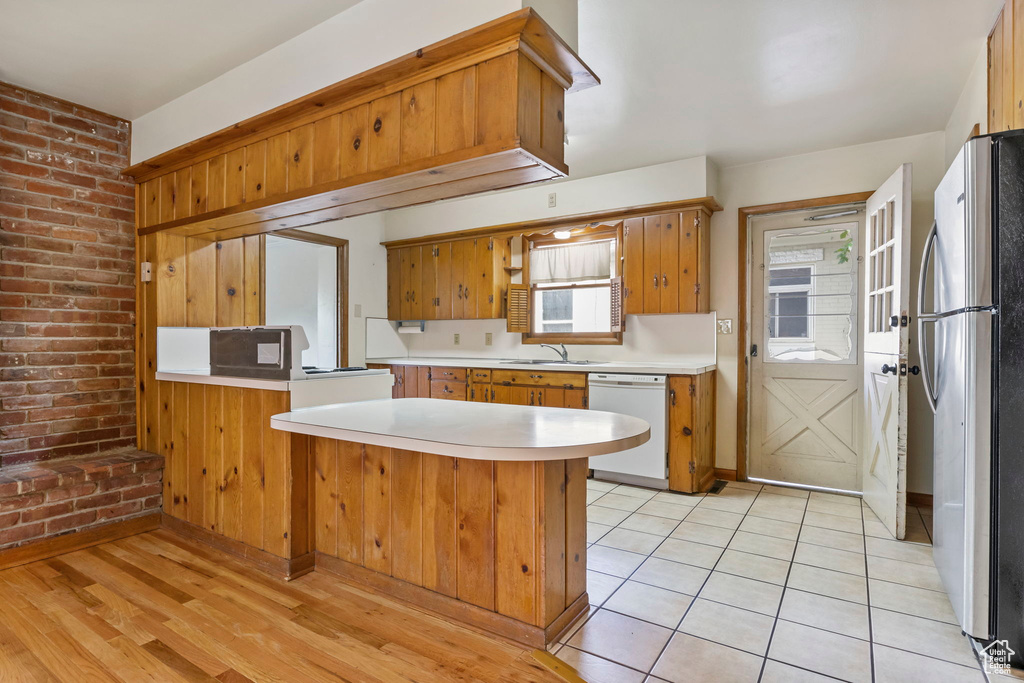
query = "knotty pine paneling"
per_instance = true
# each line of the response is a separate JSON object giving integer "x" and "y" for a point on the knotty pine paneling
{"x": 504, "y": 536}
{"x": 1006, "y": 69}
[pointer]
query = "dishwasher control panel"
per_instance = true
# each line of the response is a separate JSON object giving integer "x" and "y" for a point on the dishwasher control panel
{"x": 622, "y": 378}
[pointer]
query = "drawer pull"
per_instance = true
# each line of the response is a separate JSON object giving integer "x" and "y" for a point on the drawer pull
{"x": 664, "y": 280}
{"x": 655, "y": 281}
{"x": 536, "y": 376}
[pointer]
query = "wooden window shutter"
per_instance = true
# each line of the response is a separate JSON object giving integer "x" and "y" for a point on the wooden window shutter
{"x": 616, "y": 295}
{"x": 518, "y": 315}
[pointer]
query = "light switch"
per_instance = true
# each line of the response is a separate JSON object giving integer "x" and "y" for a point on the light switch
{"x": 488, "y": 338}
{"x": 725, "y": 326}
{"x": 552, "y": 200}
{"x": 456, "y": 338}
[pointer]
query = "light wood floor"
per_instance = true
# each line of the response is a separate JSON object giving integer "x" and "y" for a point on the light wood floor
{"x": 156, "y": 607}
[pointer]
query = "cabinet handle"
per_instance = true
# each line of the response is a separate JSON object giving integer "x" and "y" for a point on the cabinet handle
{"x": 536, "y": 376}
{"x": 446, "y": 390}
{"x": 672, "y": 396}
{"x": 460, "y": 291}
{"x": 492, "y": 394}
{"x": 655, "y": 281}
{"x": 531, "y": 398}
{"x": 664, "y": 280}
{"x": 407, "y": 296}
{"x": 540, "y": 398}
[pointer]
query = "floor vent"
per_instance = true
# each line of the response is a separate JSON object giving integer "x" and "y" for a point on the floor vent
{"x": 717, "y": 486}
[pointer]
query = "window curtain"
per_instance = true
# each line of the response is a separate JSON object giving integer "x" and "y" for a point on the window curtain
{"x": 573, "y": 262}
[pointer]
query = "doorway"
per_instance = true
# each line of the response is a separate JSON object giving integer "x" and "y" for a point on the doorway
{"x": 804, "y": 335}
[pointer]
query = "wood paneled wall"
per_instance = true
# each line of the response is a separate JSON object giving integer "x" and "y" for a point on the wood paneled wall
{"x": 508, "y": 537}
{"x": 1006, "y": 69}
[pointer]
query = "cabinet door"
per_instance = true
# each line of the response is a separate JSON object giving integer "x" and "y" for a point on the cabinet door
{"x": 633, "y": 272}
{"x": 428, "y": 283}
{"x": 440, "y": 388}
{"x": 443, "y": 281}
{"x": 410, "y": 381}
{"x": 422, "y": 383}
{"x": 501, "y": 393}
{"x": 411, "y": 283}
{"x": 395, "y": 291}
{"x": 551, "y": 397}
{"x": 523, "y": 396}
{"x": 480, "y": 393}
{"x": 459, "y": 269}
{"x": 680, "y": 436}
{"x": 652, "y": 264}
{"x": 576, "y": 398}
{"x": 669, "y": 263}
{"x": 689, "y": 261}
{"x": 398, "y": 388}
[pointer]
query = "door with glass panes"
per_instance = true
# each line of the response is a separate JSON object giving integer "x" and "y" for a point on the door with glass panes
{"x": 805, "y": 375}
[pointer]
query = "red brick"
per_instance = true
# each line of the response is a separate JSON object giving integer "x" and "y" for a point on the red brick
{"x": 141, "y": 491}
{"x": 21, "y": 533}
{"x": 51, "y": 189}
{"x": 10, "y": 519}
{"x": 22, "y": 502}
{"x": 79, "y": 519}
{"x": 99, "y": 500}
{"x": 47, "y": 511}
{"x": 75, "y": 491}
{"x": 22, "y": 109}
{"x": 122, "y": 510}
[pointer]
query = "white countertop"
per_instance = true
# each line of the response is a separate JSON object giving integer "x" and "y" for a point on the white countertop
{"x": 463, "y": 429}
{"x": 695, "y": 366}
{"x": 204, "y": 377}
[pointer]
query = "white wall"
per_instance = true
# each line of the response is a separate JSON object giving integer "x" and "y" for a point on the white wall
{"x": 367, "y": 275}
{"x": 360, "y": 38}
{"x": 832, "y": 172}
{"x": 684, "y": 179}
{"x": 971, "y": 108}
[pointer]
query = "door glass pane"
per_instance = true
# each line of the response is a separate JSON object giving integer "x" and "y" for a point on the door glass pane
{"x": 811, "y": 294}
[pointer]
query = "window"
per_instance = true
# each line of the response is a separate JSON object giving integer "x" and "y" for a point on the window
{"x": 571, "y": 286}
{"x": 305, "y": 284}
{"x": 789, "y": 303}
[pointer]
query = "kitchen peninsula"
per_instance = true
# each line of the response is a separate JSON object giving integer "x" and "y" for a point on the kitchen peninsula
{"x": 427, "y": 501}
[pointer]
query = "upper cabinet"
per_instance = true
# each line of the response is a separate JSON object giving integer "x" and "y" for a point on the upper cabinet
{"x": 458, "y": 280}
{"x": 667, "y": 263}
{"x": 479, "y": 111}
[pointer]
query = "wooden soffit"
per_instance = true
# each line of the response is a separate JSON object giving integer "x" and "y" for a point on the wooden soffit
{"x": 479, "y": 111}
{"x": 707, "y": 204}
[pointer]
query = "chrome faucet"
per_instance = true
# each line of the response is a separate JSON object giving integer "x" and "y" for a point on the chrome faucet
{"x": 563, "y": 353}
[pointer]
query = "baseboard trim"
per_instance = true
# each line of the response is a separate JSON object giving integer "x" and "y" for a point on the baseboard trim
{"x": 45, "y": 548}
{"x": 727, "y": 475}
{"x": 919, "y": 500}
{"x": 278, "y": 567}
{"x": 437, "y": 604}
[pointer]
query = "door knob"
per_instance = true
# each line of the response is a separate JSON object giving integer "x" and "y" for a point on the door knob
{"x": 915, "y": 370}
{"x": 886, "y": 368}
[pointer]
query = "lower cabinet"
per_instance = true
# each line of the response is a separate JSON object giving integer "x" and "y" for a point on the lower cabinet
{"x": 691, "y": 419}
{"x": 691, "y": 435}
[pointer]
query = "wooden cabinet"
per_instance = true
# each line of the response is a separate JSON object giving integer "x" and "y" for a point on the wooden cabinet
{"x": 447, "y": 383}
{"x": 691, "y": 438}
{"x": 454, "y": 280}
{"x": 667, "y": 259}
{"x": 518, "y": 387}
{"x": 565, "y": 380}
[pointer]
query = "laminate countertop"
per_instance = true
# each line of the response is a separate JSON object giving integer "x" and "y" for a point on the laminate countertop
{"x": 694, "y": 366}
{"x": 463, "y": 429}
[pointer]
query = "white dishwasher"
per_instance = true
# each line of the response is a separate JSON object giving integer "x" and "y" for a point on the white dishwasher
{"x": 643, "y": 396}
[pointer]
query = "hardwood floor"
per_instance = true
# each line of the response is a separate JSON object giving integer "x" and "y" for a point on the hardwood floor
{"x": 157, "y": 607}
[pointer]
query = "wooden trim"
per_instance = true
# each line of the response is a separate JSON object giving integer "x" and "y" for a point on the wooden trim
{"x": 742, "y": 394}
{"x": 514, "y": 31}
{"x": 727, "y": 475}
{"x": 557, "y": 666}
{"x": 278, "y": 567}
{"x": 573, "y": 613}
{"x": 919, "y": 500}
{"x": 58, "y": 545}
{"x": 546, "y": 224}
{"x": 327, "y": 240}
{"x": 427, "y": 600}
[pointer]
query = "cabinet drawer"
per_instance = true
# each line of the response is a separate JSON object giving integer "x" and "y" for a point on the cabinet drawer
{"x": 540, "y": 378}
{"x": 449, "y": 374}
{"x": 479, "y": 375}
{"x": 441, "y": 388}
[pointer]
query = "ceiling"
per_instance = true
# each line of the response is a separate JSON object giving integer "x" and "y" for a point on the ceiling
{"x": 747, "y": 80}
{"x": 736, "y": 80}
{"x": 128, "y": 57}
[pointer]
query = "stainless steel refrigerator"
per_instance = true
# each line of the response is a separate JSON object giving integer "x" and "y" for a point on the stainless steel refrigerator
{"x": 972, "y": 348}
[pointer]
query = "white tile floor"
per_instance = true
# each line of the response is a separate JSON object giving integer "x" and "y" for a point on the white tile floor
{"x": 760, "y": 584}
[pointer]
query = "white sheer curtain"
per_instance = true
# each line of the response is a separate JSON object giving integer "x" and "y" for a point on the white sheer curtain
{"x": 571, "y": 263}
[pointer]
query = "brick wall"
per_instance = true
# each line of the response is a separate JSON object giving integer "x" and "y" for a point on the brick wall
{"x": 60, "y": 497}
{"x": 67, "y": 293}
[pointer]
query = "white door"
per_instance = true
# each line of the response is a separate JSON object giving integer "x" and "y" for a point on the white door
{"x": 805, "y": 377}
{"x": 886, "y": 336}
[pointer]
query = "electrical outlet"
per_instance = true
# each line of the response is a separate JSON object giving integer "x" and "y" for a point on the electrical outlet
{"x": 725, "y": 326}
{"x": 488, "y": 338}
{"x": 359, "y": 310}
{"x": 457, "y": 339}
{"x": 552, "y": 200}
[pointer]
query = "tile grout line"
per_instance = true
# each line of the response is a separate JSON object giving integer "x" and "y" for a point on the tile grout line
{"x": 785, "y": 586}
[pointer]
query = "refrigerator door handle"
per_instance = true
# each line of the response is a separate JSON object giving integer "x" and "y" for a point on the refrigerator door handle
{"x": 922, "y": 317}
